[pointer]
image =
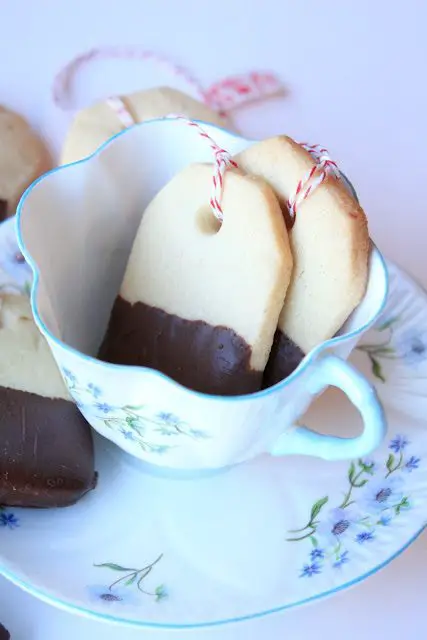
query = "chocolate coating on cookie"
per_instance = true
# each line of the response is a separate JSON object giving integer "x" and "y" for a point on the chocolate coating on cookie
{"x": 285, "y": 357}
{"x": 4, "y": 633}
{"x": 46, "y": 448}
{"x": 46, "y": 451}
{"x": 204, "y": 358}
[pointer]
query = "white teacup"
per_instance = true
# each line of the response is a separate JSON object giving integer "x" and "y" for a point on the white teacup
{"x": 76, "y": 226}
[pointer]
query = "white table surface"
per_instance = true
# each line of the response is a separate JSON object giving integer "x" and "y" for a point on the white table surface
{"x": 356, "y": 75}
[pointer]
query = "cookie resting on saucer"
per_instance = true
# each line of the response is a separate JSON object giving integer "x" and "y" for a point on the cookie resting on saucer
{"x": 46, "y": 448}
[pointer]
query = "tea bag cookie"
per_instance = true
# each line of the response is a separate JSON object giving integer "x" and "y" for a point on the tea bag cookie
{"x": 96, "y": 124}
{"x": 23, "y": 158}
{"x": 46, "y": 448}
{"x": 200, "y": 301}
{"x": 330, "y": 245}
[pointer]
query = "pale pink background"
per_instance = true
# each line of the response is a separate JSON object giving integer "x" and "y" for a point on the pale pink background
{"x": 356, "y": 72}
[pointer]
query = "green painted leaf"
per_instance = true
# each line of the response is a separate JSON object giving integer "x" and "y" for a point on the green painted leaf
{"x": 113, "y": 566}
{"x": 313, "y": 541}
{"x": 352, "y": 472}
{"x": 360, "y": 484}
{"x": 390, "y": 462}
{"x": 132, "y": 407}
{"x": 161, "y": 592}
{"x": 367, "y": 468}
{"x": 377, "y": 369}
{"x": 131, "y": 580}
{"x": 404, "y": 503}
{"x": 317, "y": 507}
{"x": 388, "y": 323}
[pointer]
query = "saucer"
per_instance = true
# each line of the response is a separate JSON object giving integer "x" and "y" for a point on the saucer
{"x": 255, "y": 539}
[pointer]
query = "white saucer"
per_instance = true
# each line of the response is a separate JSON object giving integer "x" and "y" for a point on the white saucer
{"x": 259, "y": 538}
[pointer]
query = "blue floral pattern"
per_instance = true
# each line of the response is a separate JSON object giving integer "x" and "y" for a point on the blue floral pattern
{"x": 374, "y": 498}
{"x": 154, "y": 432}
{"x": 8, "y": 520}
{"x": 409, "y": 347}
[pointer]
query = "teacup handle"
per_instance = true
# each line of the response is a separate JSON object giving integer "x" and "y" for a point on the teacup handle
{"x": 331, "y": 370}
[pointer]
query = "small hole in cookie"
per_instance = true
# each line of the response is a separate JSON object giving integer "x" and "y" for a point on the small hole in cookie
{"x": 207, "y": 222}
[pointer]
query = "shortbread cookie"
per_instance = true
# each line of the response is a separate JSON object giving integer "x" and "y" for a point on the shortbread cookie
{"x": 46, "y": 449}
{"x": 330, "y": 245}
{"x": 23, "y": 158}
{"x": 200, "y": 302}
{"x": 96, "y": 124}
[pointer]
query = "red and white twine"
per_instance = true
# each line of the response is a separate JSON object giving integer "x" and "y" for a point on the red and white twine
{"x": 223, "y": 96}
{"x": 323, "y": 167}
{"x": 222, "y": 161}
{"x": 61, "y": 84}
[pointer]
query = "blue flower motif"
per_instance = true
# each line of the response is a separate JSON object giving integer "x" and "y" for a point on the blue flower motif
{"x": 381, "y": 493}
{"x": 412, "y": 463}
{"x": 94, "y": 390}
{"x": 159, "y": 448}
{"x": 69, "y": 376}
{"x": 412, "y": 347}
{"x": 336, "y": 525}
{"x": 317, "y": 554}
{"x": 385, "y": 519}
{"x": 116, "y": 596}
{"x": 198, "y": 434}
{"x": 103, "y": 406}
{"x": 365, "y": 536}
{"x": 8, "y": 520}
{"x": 398, "y": 443}
{"x": 310, "y": 570}
{"x": 168, "y": 418}
{"x": 342, "y": 558}
{"x": 128, "y": 435}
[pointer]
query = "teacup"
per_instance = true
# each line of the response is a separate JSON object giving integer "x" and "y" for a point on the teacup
{"x": 76, "y": 226}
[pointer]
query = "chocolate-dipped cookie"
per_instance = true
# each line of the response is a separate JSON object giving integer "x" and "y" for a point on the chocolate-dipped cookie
{"x": 330, "y": 246}
{"x": 23, "y": 158}
{"x": 94, "y": 125}
{"x": 46, "y": 448}
{"x": 4, "y": 633}
{"x": 199, "y": 300}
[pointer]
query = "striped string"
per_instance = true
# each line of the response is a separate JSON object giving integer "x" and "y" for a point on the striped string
{"x": 323, "y": 167}
{"x": 223, "y": 96}
{"x": 222, "y": 161}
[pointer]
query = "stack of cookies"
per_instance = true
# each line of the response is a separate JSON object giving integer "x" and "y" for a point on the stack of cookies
{"x": 230, "y": 308}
